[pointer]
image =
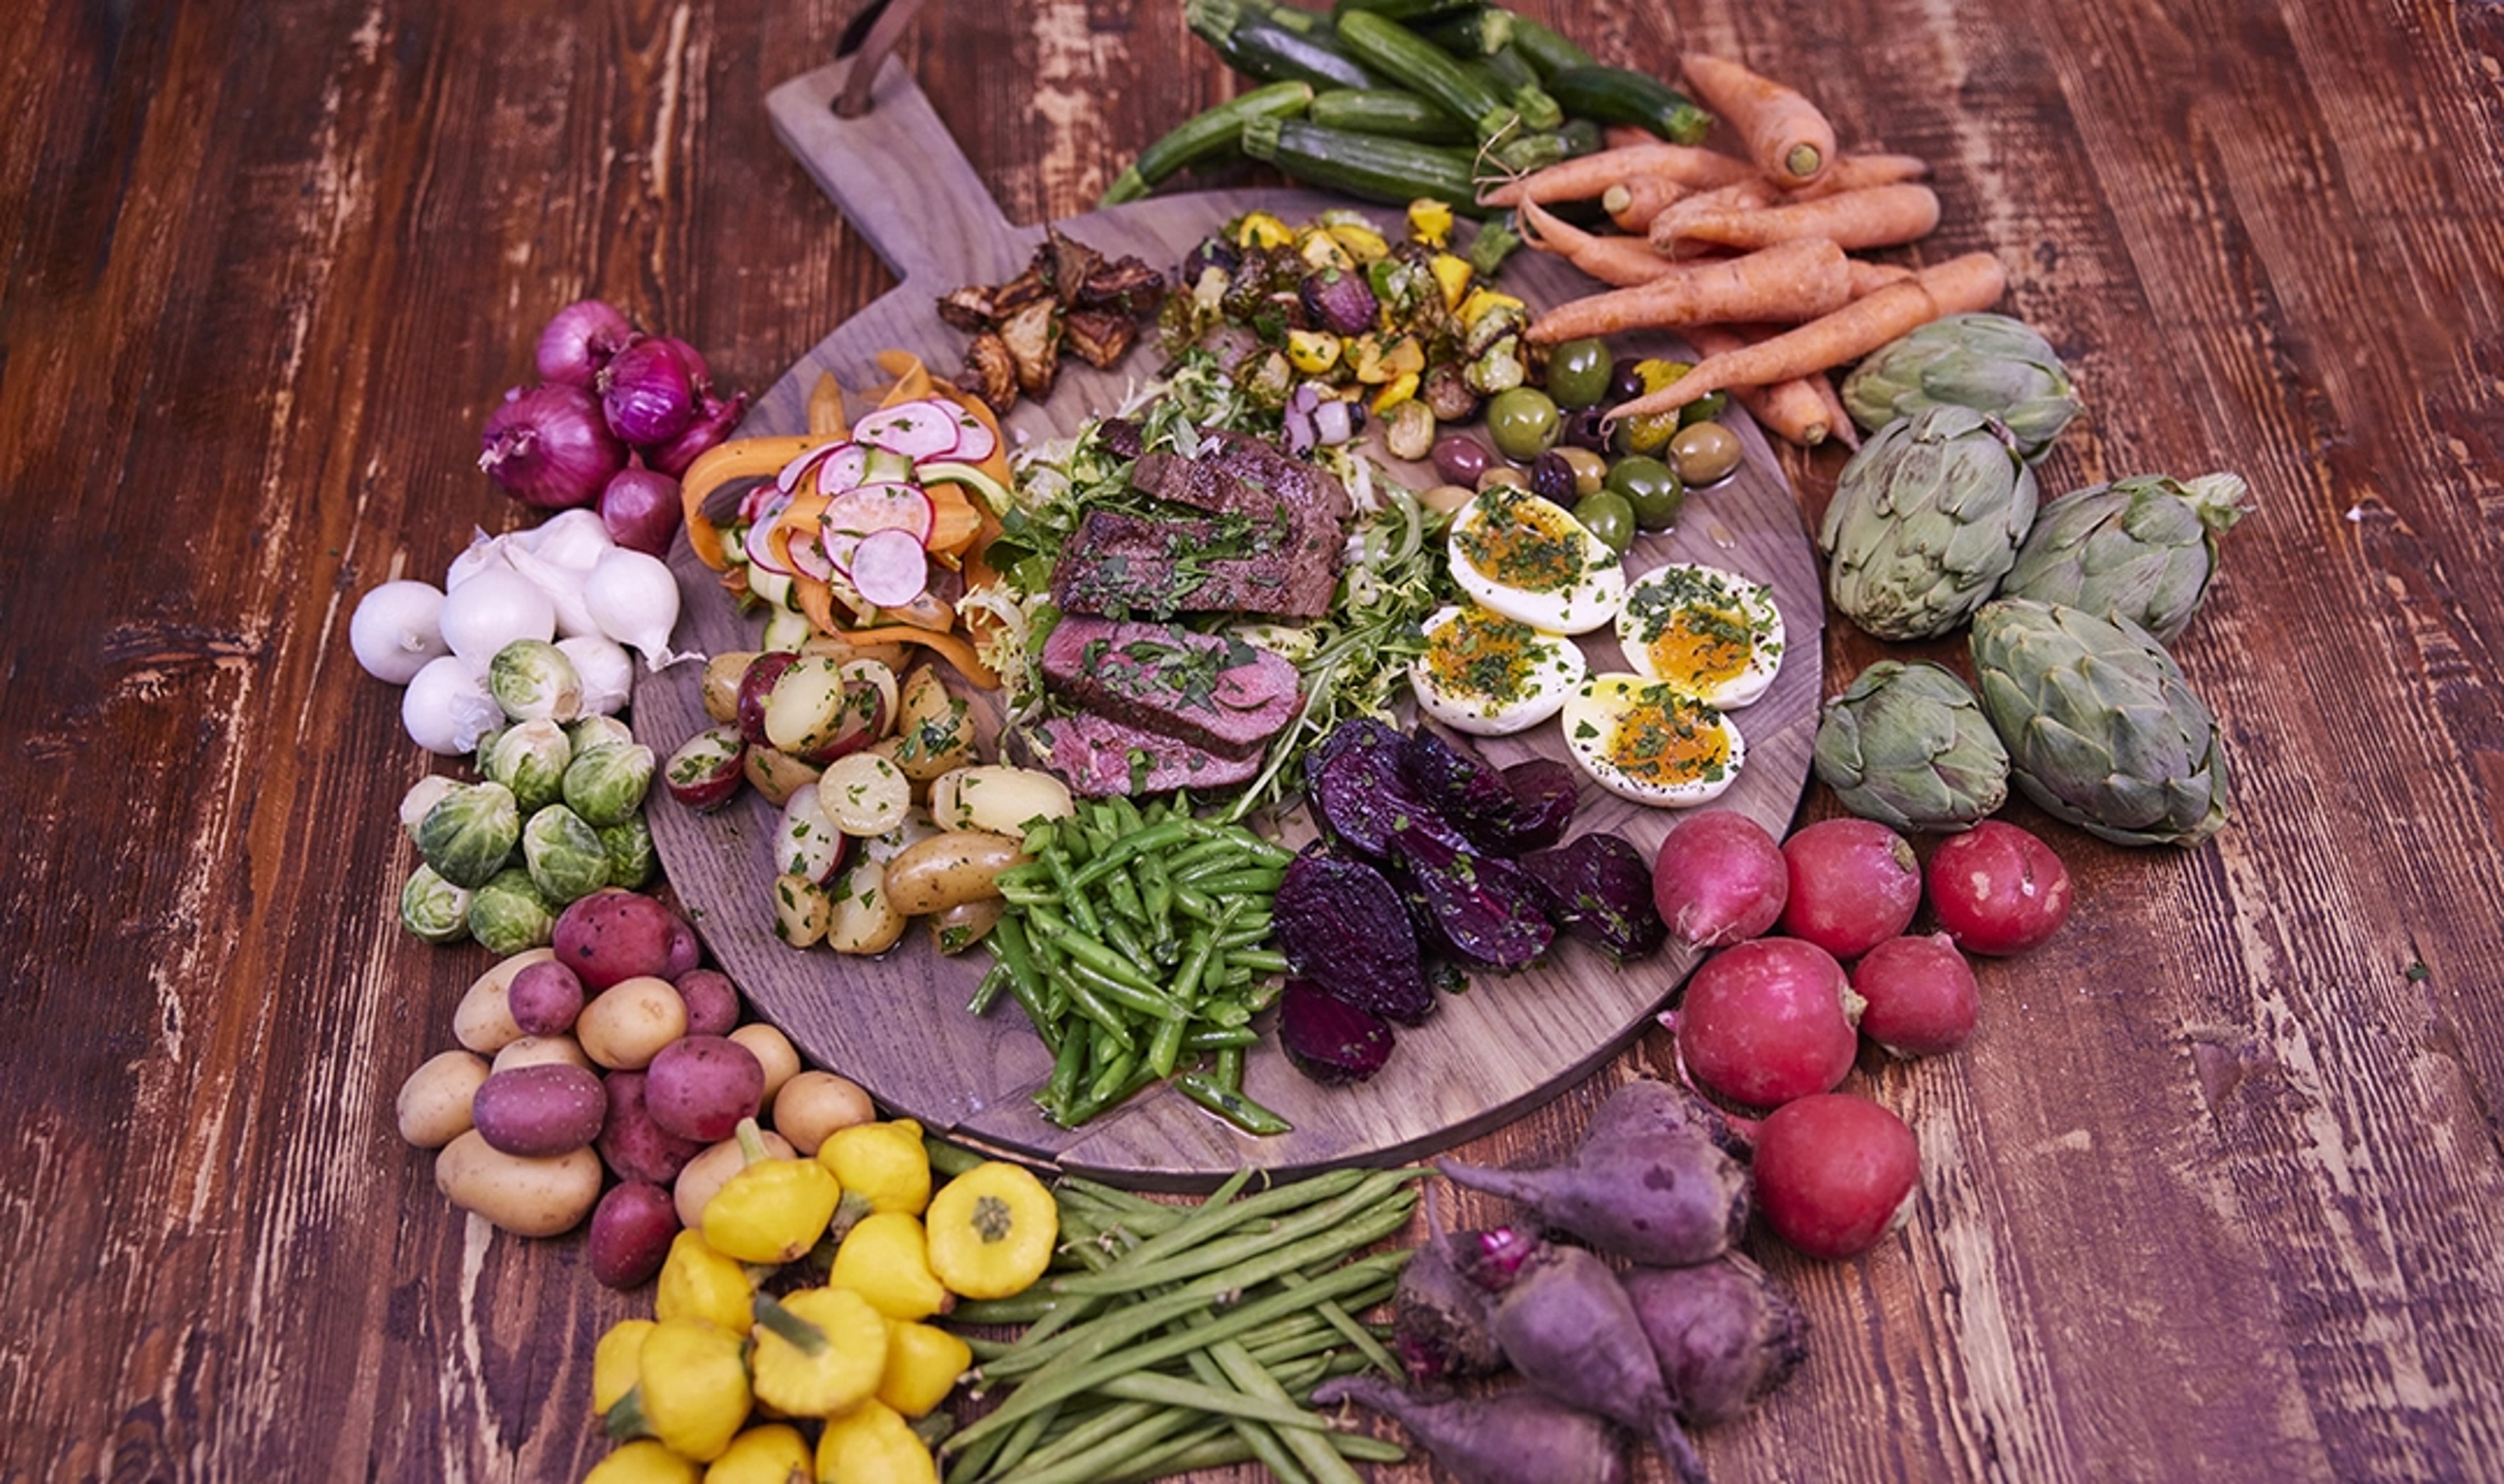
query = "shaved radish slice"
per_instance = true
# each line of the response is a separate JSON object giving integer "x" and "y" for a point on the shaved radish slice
{"x": 974, "y": 440}
{"x": 871, "y": 507}
{"x": 838, "y": 548}
{"x": 889, "y": 568}
{"x": 841, "y": 468}
{"x": 760, "y": 543}
{"x": 790, "y": 479}
{"x": 809, "y": 556}
{"x": 920, "y": 429}
{"x": 760, "y": 498}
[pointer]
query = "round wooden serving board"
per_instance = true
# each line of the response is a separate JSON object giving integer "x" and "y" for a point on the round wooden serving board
{"x": 899, "y": 1024}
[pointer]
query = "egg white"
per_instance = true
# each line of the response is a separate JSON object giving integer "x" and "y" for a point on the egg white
{"x": 1461, "y": 640}
{"x": 1566, "y": 580}
{"x": 1596, "y": 725}
{"x": 1665, "y": 598}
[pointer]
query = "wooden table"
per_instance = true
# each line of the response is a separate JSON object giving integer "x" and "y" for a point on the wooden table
{"x": 2215, "y": 1195}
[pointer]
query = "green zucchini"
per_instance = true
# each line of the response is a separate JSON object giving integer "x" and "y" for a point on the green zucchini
{"x": 1259, "y": 47}
{"x": 1391, "y": 112}
{"x": 1538, "y": 110}
{"x": 1367, "y": 166}
{"x": 1546, "y": 49}
{"x": 1206, "y": 135}
{"x": 1622, "y": 95}
{"x": 1407, "y": 12}
{"x": 1481, "y": 31}
{"x": 1426, "y": 69}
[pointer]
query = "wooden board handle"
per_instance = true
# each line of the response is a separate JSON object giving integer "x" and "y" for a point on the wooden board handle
{"x": 898, "y": 176}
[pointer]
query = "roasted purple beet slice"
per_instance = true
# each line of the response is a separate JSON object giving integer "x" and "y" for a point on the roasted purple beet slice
{"x": 1358, "y": 792}
{"x": 1599, "y": 889}
{"x": 1451, "y": 778}
{"x": 1545, "y": 789}
{"x": 1328, "y": 1039}
{"x": 1341, "y": 925}
{"x": 1488, "y": 906}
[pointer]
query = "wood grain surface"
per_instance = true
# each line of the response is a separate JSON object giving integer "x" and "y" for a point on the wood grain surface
{"x": 2214, "y": 1195}
{"x": 897, "y": 1023}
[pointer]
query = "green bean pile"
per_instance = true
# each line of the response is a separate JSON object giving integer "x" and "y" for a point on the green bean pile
{"x": 1135, "y": 938}
{"x": 1175, "y": 1338}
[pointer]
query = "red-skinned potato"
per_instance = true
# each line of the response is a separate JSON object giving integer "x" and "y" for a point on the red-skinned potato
{"x": 615, "y": 934}
{"x": 756, "y": 684}
{"x": 544, "y": 998}
{"x": 630, "y": 1231}
{"x": 700, "y": 1086}
{"x": 722, "y": 674}
{"x": 711, "y": 1001}
{"x": 707, "y": 769}
{"x": 548, "y": 1108}
{"x": 631, "y": 1143}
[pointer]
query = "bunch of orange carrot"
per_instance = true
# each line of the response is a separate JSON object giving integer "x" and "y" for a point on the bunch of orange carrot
{"x": 1749, "y": 255}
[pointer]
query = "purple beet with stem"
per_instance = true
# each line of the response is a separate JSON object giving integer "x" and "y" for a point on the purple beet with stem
{"x": 1516, "y": 1437}
{"x": 1443, "y": 1313}
{"x": 1570, "y": 1329}
{"x": 1725, "y": 1333}
{"x": 1651, "y": 1193}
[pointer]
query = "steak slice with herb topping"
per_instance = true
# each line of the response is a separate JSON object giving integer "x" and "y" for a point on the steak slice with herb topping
{"x": 1098, "y": 757}
{"x": 1212, "y": 691}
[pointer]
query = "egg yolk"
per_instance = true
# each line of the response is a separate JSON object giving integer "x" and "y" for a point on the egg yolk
{"x": 1515, "y": 545}
{"x": 1664, "y": 739}
{"x": 1701, "y": 647}
{"x": 1482, "y": 654}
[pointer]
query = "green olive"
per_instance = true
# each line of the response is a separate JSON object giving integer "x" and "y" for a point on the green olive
{"x": 1522, "y": 423}
{"x": 1503, "y": 473}
{"x": 1590, "y": 471}
{"x": 1608, "y": 516}
{"x": 1704, "y": 453}
{"x": 1446, "y": 498}
{"x": 1651, "y": 489}
{"x": 1704, "y": 409}
{"x": 1579, "y": 372}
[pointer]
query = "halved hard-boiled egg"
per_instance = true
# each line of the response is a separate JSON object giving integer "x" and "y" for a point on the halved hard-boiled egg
{"x": 1530, "y": 560}
{"x": 1491, "y": 676}
{"x": 1707, "y": 633}
{"x": 1646, "y": 740}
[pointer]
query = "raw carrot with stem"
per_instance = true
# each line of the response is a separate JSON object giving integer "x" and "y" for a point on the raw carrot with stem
{"x": 1621, "y": 261}
{"x": 1880, "y": 216}
{"x": 1965, "y": 285}
{"x": 1633, "y": 203}
{"x": 1585, "y": 177}
{"x": 1790, "y": 411}
{"x": 1786, "y": 135}
{"x": 1793, "y": 282}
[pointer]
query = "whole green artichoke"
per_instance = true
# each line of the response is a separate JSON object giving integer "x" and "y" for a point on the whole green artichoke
{"x": 2144, "y": 548}
{"x": 1925, "y": 521}
{"x": 1907, "y": 745}
{"x": 2101, "y": 727}
{"x": 1987, "y": 362}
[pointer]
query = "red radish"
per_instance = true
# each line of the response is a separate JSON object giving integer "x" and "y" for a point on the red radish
{"x": 889, "y": 568}
{"x": 1920, "y": 997}
{"x": 1854, "y": 885}
{"x": 1720, "y": 880}
{"x": 760, "y": 543}
{"x": 1835, "y": 1174}
{"x": 1997, "y": 889}
{"x": 885, "y": 506}
{"x": 1516, "y": 1437}
{"x": 921, "y": 429}
{"x": 974, "y": 439}
{"x": 801, "y": 463}
{"x": 809, "y": 556}
{"x": 1726, "y": 1335}
{"x": 1768, "y": 1022}
{"x": 844, "y": 468}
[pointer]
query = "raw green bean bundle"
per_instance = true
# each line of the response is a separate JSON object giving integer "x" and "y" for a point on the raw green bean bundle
{"x": 1135, "y": 942}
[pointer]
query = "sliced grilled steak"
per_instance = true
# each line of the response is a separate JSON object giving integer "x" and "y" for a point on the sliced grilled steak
{"x": 1117, "y": 565}
{"x": 1099, "y": 756}
{"x": 1217, "y": 693}
{"x": 1240, "y": 473}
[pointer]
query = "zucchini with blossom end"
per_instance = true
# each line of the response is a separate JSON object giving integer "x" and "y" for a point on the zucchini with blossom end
{"x": 1211, "y": 134}
{"x": 1422, "y": 67}
{"x": 1622, "y": 95}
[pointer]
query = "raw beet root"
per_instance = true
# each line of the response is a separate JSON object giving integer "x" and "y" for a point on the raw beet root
{"x": 1342, "y": 926}
{"x": 1720, "y": 880}
{"x": 1835, "y": 1173}
{"x": 1357, "y": 787}
{"x": 1767, "y": 1021}
{"x": 1443, "y": 1319}
{"x": 1488, "y": 907}
{"x": 1854, "y": 885}
{"x": 1545, "y": 794}
{"x": 1650, "y": 1190}
{"x": 1328, "y": 1039}
{"x": 1726, "y": 1334}
{"x": 1567, "y": 1326}
{"x": 1516, "y": 1436}
{"x": 1599, "y": 889}
{"x": 1997, "y": 890}
{"x": 1647, "y": 1106}
{"x": 1919, "y": 995}
{"x": 1465, "y": 789}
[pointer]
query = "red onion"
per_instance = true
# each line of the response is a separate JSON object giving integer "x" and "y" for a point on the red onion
{"x": 580, "y": 340}
{"x": 549, "y": 446}
{"x": 640, "y": 509}
{"x": 714, "y": 420}
{"x": 649, "y": 391}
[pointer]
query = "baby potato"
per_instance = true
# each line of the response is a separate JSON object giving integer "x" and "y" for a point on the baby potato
{"x": 998, "y": 798}
{"x": 707, "y": 1172}
{"x": 802, "y": 911}
{"x": 862, "y": 918}
{"x": 434, "y": 1106}
{"x": 934, "y": 728}
{"x": 865, "y": 794}
{"x": 626, "y": 1025}
{"x": 775, "y": 774}
{"x": 843, "y": 647}
{"x": 774, "y": 1051}
{"x": 542, "y": 1051}
{"x": 483, "y": 1022}
{"x": 814, "y": 1104}
{"x": 722, "y": 676}
{"x": 948, "y": 870}
{"x": 532, "y": 1197}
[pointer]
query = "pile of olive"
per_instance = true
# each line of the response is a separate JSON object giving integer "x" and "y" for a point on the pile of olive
{"x": 1616, "y": 480}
